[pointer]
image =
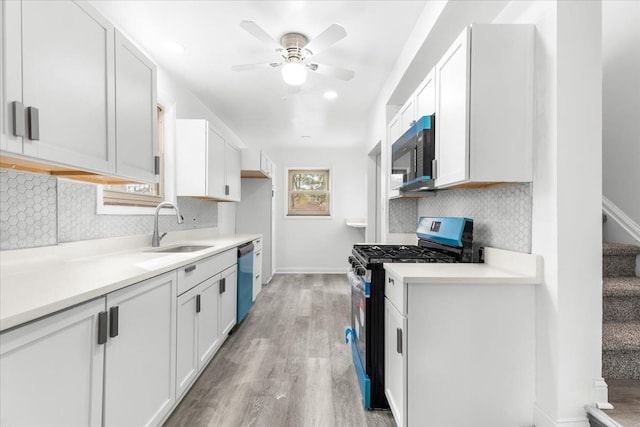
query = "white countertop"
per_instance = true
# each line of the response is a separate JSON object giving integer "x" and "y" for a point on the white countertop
{"x": 40, "y": 281}
{"x": 500, "y": 266}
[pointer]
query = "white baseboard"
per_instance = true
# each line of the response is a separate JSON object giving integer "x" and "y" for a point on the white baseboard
{"x": 543, "y": 419}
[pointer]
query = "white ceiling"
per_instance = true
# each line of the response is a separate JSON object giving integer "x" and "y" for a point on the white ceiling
{"x": 256, "y": 105}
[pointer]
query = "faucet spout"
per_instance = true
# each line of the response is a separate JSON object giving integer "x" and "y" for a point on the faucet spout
{"x": 155, "y": 239}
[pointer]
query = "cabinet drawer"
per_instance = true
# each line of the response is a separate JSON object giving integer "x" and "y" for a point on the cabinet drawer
{"x": 257, "y": 245}
{"x": 194, "y": 273}
{"x": 395, "y": 292}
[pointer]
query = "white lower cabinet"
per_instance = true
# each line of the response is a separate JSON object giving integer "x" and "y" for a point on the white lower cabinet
{"x": 139, "y": 387}
{"x": 395, "y": 352}
{"x": 459, "y": 354}
{"x": 51, "y": 370}
{"x": 206, "y": 312}
{"x": 257, "y": 267}
{"x": 228, "y": 299}
{"x": 198, "y": 331}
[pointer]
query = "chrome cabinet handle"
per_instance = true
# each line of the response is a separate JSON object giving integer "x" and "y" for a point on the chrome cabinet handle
{"x": 190, "y": 269}
{"x": 223, "y": 285}
{"x": 198, "y": 303}
{"x": 399, "y": 340}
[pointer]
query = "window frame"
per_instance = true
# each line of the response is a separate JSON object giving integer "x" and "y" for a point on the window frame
{"x": 140, "y": 204}
{"x": 329, "y": 192}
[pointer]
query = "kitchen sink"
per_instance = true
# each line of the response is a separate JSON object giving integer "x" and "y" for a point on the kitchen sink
{"x": 186, "y": 248}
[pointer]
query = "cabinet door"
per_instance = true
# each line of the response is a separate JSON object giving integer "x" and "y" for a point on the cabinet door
{"x": 425, "y": 96}
{"x": 52, "y": 370}
{"x": 136, "y": 112}
{"x": 407, "y": 115}
{"x": 395, "y": 363}
{"x": 215, "y": 165}
{"x": 208, "y": 328}
{"x": 67, "y": 74}
{"x": 452, "y": 113}
{"x": 257, "y": 273}
{"x": 227, "y": 300}
{"x": 394, "y": 130}
{"x": 186, "y": 340}
{"x": 232, "y": 163}
{"x": 140, "y": 358}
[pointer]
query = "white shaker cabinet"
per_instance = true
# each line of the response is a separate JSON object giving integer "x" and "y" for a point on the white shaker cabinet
{"x": 197, "y": 331}
{"x": 136, "y": 112}
{"x": 139, "y": 371}
{"x": 459, "y": 354}
{"x": 206, "y": 165}
{"x": 58, "y": 61}
{"x": 424, "y": 97}
{"x": 257, "y": 267}
{"x": 51, "y": 370}
{"x": 256, "y": 164}
{"x": 484, "y": 92}
{"x": 227, "y": 303}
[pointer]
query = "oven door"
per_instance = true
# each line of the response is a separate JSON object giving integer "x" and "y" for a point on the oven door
{"x": 359, "y": 306}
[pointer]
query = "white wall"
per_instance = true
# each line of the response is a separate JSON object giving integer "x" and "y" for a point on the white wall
{"x": 312, "y": 245}
{"x": 621, "y": 109}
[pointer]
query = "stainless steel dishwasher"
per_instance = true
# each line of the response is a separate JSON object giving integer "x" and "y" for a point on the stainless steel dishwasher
{"x": 245, "y": 281}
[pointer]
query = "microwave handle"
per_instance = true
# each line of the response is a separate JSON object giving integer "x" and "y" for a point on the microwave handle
{"x": 434, "y": 165}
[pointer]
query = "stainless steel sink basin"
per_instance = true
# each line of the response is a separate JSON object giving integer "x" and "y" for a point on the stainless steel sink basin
{"x": 186, "y": 248}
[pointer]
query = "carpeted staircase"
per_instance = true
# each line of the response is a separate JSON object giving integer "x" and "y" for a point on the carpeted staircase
{"x": 621, "y": 312}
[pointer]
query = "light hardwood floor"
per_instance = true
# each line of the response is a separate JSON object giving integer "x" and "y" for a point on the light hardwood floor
{"x": 286, "y": 365}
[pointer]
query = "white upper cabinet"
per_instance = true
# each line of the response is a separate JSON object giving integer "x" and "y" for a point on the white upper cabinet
{"x": 424, "y": 97}
{"x": 206, "y": 165}
{"x": 78, "y": 96}
{"x": 59, "y": 68}
{"x": 256, "y": 164}
{"x": 407, "y": 115}
{"x": 136, "y": 112}
{"x": 484, "y": 91}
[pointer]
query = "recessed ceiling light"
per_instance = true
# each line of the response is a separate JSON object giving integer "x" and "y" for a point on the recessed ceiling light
{"x": 331, "y": 94}
{"x": 174, "y": 47}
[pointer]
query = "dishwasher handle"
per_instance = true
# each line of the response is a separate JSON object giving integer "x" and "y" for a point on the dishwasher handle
{"x": 245, "y": 249}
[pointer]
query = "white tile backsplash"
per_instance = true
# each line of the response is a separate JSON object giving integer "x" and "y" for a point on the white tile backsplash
{"x": 41, "y": 210}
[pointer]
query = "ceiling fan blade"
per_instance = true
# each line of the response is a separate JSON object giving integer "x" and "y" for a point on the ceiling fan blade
{"x": 330, "y": 70}
{"x": 257, "y": 32}
{"x": 326, "y": 38}
{"x": 247, "y": 67}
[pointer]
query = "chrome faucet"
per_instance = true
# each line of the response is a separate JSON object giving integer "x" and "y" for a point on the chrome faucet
{"x": 155, "y": 240}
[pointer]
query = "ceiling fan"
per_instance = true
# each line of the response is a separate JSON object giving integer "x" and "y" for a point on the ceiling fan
{"x": 296, "y": 50}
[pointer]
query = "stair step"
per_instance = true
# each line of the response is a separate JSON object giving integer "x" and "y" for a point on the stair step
{"x": 619, "y": 249}
{"x": 621, "y": 299}
{"x": 619, "y": 259}
{"x": 621, "y": 350}
{"x": 621, "y": 286}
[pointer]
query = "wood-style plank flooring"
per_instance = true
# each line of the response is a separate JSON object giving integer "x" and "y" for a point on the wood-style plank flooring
{"x": 624, "y": 395}
{"x": 286, "y": 365}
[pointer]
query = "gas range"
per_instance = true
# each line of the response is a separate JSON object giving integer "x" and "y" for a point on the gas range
{"x": 440, "y": 240}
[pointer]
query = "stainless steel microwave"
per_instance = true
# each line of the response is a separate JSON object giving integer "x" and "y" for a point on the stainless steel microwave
{"x": 412, "y": 157}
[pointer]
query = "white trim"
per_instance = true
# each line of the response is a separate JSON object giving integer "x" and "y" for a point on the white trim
{"x": 286, "y": 193}
{"x": 615, "y": 213}
{"x": 102, "y": 209}
{"x": 601, "y": 394}
{"x": 542, "y": 419}
{"x": 602, "y": 417}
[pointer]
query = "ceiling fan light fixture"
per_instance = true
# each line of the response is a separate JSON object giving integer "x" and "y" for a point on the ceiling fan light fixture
{"x": 294, "y": 73}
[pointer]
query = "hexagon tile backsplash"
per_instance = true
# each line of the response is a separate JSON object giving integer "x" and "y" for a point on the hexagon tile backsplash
{"x": 40, "y": 210}
{"x": 501, "y": 215}
{"x": 27, "y": 210}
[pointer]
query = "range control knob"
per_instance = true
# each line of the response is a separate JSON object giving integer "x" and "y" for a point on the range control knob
{"x": 360, "y": 271}
{"x": 350, "y": 260}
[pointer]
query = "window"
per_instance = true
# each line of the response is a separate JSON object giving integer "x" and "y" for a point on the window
{"x": 140, "y": 194}
{"x": 308, "y": 192}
